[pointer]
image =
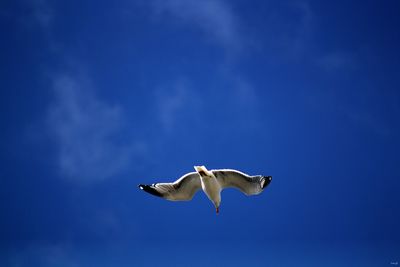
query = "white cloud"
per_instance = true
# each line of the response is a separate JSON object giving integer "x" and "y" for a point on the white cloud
{"x": 88, "y": 132}
{"x": 214, "y": 17}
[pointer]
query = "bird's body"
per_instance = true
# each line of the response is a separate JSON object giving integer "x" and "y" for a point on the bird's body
{"x": 210, "y": 185}
{"x": 211, "y": 182}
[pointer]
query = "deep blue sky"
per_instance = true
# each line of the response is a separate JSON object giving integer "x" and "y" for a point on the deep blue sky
{"x": 98, "y": 96}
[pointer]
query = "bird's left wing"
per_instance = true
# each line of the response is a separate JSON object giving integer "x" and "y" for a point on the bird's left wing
{"x": 182, "y": 189}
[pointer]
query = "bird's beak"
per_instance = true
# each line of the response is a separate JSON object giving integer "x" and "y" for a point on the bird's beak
{"x": 217, "y": 210}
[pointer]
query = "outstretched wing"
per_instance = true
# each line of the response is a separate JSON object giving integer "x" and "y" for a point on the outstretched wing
{"x": 182, "y": 189}
{"x": 249, "y": 185}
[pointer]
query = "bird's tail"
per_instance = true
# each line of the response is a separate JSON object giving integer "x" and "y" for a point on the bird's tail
{"x": 202, "y": 170}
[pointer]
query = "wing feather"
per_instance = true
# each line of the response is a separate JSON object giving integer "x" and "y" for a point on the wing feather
{"x": 182, "y": 189}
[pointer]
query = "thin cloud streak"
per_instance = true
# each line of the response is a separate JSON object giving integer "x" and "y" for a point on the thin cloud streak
{"x": 214, "y": 18}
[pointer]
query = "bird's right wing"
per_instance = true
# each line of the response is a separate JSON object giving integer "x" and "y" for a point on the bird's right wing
{"x": 182, "y": 189}
{"x": 249, "y": 185}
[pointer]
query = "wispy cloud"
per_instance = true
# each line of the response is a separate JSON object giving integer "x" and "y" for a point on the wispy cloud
{"x": 219, "y": 23}
{"x": 337, "y": 61}
{"x": 303, "y": 28}
{"x": 30, "y": 13}
{"x": 88, "y": 132}
{"x": 364, "y": 106}
{"x": 177, "y": 104}
{"x": 244, "y": 93}
{"x": 214, "y": 17}
{"x": 368, "y": 120}
{"x": 181, "y": 105}
{"x": 42, "y": 12}
{"x": 243, "y": 99}
{"x": 289, "y": 30}
{"x": 43, "y": 254}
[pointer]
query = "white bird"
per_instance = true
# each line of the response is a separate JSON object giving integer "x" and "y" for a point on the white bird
{"x": 212, "y": 182}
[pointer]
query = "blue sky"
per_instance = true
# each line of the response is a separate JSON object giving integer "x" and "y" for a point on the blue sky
{"x": 97, "y": 97}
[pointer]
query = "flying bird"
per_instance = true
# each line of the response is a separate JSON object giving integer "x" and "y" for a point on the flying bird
{"x": 211, "y": 182}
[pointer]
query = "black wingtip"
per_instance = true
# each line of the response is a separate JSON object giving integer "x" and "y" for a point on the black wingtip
{"x": 149, "y": 189}
{"x": 267, "y": 181}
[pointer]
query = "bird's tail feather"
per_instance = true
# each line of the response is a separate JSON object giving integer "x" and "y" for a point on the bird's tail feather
{"x": 202, "y": 170}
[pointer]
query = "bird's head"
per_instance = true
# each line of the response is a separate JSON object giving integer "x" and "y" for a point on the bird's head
{"x": 217, "y": 204}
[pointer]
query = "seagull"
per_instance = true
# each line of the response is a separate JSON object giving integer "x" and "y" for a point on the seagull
{"x": 212, "y": 182}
